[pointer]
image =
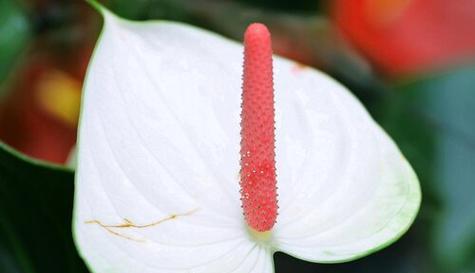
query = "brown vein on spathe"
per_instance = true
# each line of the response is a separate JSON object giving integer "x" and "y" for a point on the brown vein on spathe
{"x": 130, "y": 224}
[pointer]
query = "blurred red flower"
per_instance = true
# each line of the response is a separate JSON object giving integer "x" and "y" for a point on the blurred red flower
{"x": 404, "y": 36}
{"x": 40, "y": 117}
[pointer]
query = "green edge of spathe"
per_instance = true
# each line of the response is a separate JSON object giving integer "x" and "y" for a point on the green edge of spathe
{"x": 415, "y": 198}
{"x": 101, "y": 10}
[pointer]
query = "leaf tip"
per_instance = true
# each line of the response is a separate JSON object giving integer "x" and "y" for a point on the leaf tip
{"x": 99, "y": 7}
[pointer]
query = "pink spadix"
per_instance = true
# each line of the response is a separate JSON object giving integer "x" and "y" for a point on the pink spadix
{"x": 258, "y": 176}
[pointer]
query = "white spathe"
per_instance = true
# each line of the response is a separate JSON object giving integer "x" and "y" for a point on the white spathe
{"x": 157, "y": 183}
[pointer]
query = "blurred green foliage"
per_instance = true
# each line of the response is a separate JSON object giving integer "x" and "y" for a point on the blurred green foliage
{"x": 15, "y": 33}
{"x": 141, "y": 7}
{"x": 36, "y": 202}
{"x": 433, "y": 120}
{"x": 305, "y": 6}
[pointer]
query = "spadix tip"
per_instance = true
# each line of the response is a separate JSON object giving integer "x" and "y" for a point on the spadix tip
{"x": 257, "y": 31}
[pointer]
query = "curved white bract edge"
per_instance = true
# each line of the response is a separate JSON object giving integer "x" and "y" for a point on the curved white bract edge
{"x": 157, "y": 182}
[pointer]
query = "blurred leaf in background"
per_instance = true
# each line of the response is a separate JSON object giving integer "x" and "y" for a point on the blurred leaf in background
{"x": 433, "y": 120}
{"x": 295, "y": 6}
{"x": 36, "y": 203}
{"x": 138, "y": 9}
{"x": 15, "y": 34}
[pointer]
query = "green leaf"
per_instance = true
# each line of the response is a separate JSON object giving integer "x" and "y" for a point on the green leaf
{"x": 15, "y": 34}
{"x": 433, "y": 121}
{"x": 35, "y": 216}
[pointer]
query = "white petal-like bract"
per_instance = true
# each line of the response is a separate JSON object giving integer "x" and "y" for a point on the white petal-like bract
{"x": 157, "y": 182}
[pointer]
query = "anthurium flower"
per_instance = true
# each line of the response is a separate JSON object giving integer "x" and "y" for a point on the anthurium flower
{"x": 180, "y": 168}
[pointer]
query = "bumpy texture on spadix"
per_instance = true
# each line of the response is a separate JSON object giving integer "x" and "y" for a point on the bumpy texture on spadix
{"x": 258, "y": 180}
{"x": 157, "y": 181}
